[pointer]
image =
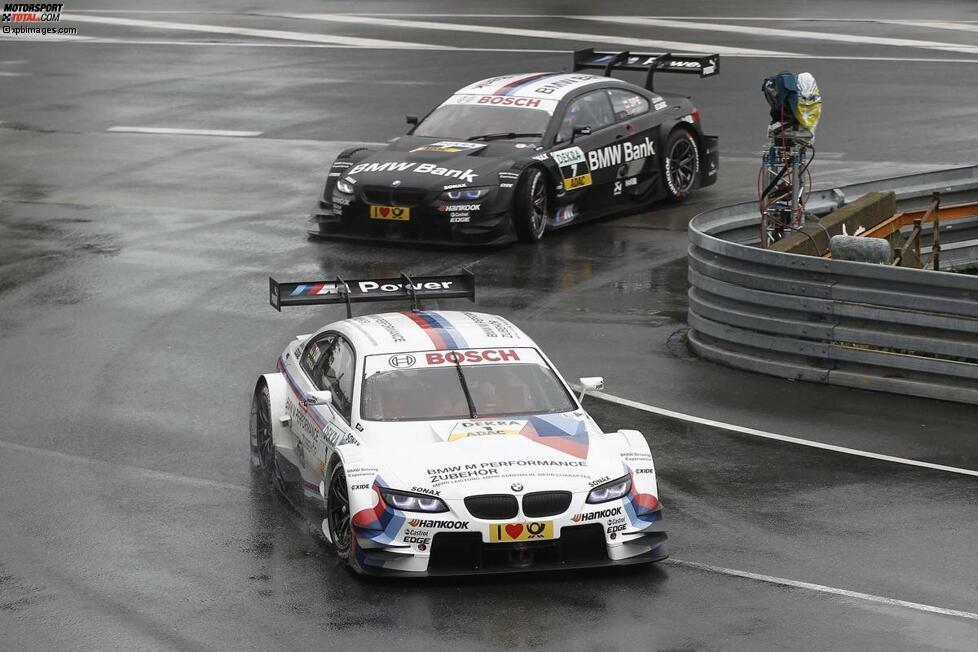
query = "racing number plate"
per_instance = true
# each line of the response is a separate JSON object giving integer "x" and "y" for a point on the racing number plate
{"x": 396, "y": 213}
{"x": 573, "y": 167}
{"x": 528, "y": 531}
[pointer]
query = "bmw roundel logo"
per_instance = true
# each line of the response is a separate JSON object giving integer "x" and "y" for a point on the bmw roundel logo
{"x": 401, "y": 361}
{"x": 516, "y": 486}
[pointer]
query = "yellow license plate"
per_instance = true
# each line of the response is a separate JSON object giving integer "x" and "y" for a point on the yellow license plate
{"x": 396, "y": 213}
{"x": 528, "y": 531}
{"x": 577, "y": 182}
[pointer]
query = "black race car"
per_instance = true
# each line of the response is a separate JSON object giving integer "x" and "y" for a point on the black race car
{"x": 512, "y": 156}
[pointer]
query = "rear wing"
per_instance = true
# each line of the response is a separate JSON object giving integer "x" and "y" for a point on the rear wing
{"x": 704, "y": 65}
{"x": 403, "y": 288}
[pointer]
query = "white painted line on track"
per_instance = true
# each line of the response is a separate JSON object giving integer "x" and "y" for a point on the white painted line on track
{"x": 755, "y": 31}
{"x": 136, "y": 470}
{"x": 776, "y": 19}
{"x": 14, "y": 74}
{"x": 795, "y": 584}
{"x": 534, "y": 33}
{"x": 840, "y": 57}
{"x": 770, "y": 435}
{"x": 245, "y": 31}
{"x": 44, "y": 38}
{"x": 935, "y": 24}
{"x": 393, "y": 45}
{"x": 175, "y": 131}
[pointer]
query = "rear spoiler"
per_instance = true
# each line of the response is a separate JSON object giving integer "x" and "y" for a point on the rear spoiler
{"x": 403, "y": 288}
{"x": 704, "y": 65}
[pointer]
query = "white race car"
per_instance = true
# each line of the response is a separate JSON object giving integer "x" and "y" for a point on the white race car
{"x": 442, "y": 442}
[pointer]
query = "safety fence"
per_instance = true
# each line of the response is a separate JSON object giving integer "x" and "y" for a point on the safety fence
{"x": 853, "y": 324}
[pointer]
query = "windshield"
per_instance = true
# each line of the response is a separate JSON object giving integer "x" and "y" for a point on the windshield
{"x": 463, "y": 121}
{"x": 440, "y": 391}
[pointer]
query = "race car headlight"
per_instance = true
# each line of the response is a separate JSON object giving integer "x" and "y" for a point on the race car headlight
{"x": 610, "y": 490}
{"x": 464, "y": 194}
{"x": 408, "y": 502}
{"x": 344, "y": 187}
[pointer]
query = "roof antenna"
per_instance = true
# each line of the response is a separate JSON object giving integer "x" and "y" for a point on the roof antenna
{"x": 409, "y": 289}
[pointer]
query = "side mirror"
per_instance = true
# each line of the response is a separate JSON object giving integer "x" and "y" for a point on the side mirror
{"x": 580, "y": 131}
{"x": 412, "y": 120}
{"x": 318, "y": 397}
{"x": 590, "y": 384}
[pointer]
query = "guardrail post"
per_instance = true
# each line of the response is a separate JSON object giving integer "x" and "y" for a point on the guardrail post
{"x": 916, "y": 241}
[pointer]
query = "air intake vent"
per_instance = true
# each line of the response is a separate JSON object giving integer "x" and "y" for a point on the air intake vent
{"x": 390, "y": 196}
{"x": 494, "y": 506}
{"x": 546, "y": 503}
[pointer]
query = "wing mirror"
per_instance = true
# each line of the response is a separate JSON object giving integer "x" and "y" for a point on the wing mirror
{"x": 318, "y": 397}
{"x": 412, "y": 120}
{"x": 580, "y": 131}
{"x": 590, "y": 384}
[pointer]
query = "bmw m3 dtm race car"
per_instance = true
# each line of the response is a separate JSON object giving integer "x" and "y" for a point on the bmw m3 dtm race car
{"x": 513, "y": 156}
{"x": 445, "y": 442}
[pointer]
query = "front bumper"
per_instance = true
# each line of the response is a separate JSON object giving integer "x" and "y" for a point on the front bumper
{"x": 469, "y": 553}
{"x": 426, "y": 226}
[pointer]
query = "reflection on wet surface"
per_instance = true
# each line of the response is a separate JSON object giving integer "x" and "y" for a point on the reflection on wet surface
{"x": 296, "y": 573}
{"x": 599, "y": 271}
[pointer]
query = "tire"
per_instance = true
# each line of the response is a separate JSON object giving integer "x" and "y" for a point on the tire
{"x": 338, "y": 512}
{"x": 531, "y": 204}
{"x": 261, "y": 434}
{"x": 680, "y": 165}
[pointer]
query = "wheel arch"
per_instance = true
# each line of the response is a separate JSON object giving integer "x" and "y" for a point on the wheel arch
{"x": 277, "y": 394}
{"x": 550, "y": 178}
{"x": 632, "y": 441}
{"x": 524, "y": 232}
{"x": 683, "y": 127}
{"x": 550, "y": 172}
{"x": 354, "y": 153}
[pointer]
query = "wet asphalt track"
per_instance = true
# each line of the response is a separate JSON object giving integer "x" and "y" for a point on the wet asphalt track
{"x": 134, "y": 319}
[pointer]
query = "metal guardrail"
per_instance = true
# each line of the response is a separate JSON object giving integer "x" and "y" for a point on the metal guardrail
{"x": 845, "y": 323}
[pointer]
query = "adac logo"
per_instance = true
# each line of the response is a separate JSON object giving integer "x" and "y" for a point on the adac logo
{"x": 401, "y": 361}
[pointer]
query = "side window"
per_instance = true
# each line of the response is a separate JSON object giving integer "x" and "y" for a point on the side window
{"x": 591, "y": 110}
{"x": 336, "y": 375}
{"x": 314, "y": 353}
{"x": 627, "y": 104}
